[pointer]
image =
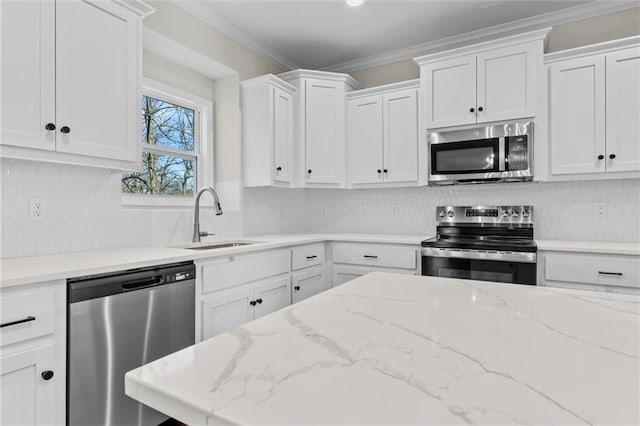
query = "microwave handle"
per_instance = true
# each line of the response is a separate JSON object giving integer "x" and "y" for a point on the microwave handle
{"x": 501, "y": 156}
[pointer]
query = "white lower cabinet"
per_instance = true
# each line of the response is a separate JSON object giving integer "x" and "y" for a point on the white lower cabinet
{"x": 32, "y": 354}
{"x": 308, "y": 283}
{"x": 26, "y": 397}
{"x": 229, "y": 309}
{"x": 590, "y": 271}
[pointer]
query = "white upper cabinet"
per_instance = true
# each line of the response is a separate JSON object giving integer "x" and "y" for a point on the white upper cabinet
{"x": 593, "y": 110}
{"x": 28, "y": 73}
{"x": 451, "y": 92}
{"x": 319, "y": 141}
{"x": 491, "y": 81}
{"x": 267, "y": 131}
{"x": 623, "y": 110}
{"x": 71, "y": 81}
{"x": 383, "y": 135}
{"x": 365, "y": 140}
{"x": 578, "y": 121}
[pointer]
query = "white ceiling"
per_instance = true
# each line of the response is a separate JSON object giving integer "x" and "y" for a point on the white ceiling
{"x": 326, "y": 34}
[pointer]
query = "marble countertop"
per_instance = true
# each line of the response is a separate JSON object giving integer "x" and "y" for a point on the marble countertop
{"x": 27, "y": 270}
{"x": 397, "y": 349}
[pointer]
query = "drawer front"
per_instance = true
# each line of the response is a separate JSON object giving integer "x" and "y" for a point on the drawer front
{"x": 382, "y": 255}
{"x": 306, "y": 256}
{"x": 232, "y": 271}
{"x": 621, "y": 271}
{"x": 26, "y": 316}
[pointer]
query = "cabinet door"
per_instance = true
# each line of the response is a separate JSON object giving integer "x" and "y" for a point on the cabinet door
{"x": 28, "y": 73}
{"x": 623, "y": 110}
{"x": 450, "y": 95}
{"x": 308, "y": 283}
{"x": 324, "y": 131}
{"x": 401, "y": 136}
{"x": 272, "y": 295}
{"x": 223, "y": 312}
{"x": 26, "y": 398}
{"x": 97, "y": 79}
{"x": 282, "y": 135}
{"x": 343, "y": 273}
{"x": 507, "y": 82}
{"x": 578, "y": 116}
{"x": 365, "y": 140}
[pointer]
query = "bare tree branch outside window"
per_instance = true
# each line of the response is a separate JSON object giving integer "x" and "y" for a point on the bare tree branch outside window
{"x": 165, "y": 127}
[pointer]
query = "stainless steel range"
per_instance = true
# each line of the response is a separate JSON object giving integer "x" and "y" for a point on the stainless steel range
{"x": 488, "y": 243}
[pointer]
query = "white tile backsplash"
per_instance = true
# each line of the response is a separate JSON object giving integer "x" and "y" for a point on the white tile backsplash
{"x": 563, "y": 210}
{"x": 83, "y": 211}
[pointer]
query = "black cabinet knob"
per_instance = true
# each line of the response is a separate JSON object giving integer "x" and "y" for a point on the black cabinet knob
{"x": 47, "y": 374}
{"x": 259, "y": 301}
{"x": 65, "y": 129}
{"x": 297, "y": 288}
{"x": 480, "y": 109}
{"x": 252, "y": 303}
{"x": 386, "y": 171}
{"x": 309, "y": 171}
{"x": 279, "y": 168}
{"x": 472, "y": 110}
{"x": 379, "y": 171}
{"x": 600, "y": 157}
{"x": 50, "y": 126}
{"x": 612, "y": 156}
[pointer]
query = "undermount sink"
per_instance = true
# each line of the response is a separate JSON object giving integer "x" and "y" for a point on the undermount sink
{"x": 218, "y": 245}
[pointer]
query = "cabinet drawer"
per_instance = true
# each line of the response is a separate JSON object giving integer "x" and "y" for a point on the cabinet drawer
{"x": 305, "y": 256}
{"x": 232, "y": 271}
{"x": 26, "y": 316}
{"x": 384, "y": 255}
{"x": 593, "y": 269}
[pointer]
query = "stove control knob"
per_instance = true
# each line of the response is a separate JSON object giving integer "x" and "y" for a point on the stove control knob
{"x": 525, "y": 213}
{"x": 451, "y": 213}
{"x": 442, "y": 213}
{"x": 514, "y": 213}
{"x": 505, "y": 213}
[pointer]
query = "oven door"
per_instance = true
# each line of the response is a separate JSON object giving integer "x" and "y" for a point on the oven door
{"x": 506, "y": 267}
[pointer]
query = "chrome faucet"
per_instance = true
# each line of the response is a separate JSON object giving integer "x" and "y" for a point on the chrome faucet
{"x": 196, "y": 218}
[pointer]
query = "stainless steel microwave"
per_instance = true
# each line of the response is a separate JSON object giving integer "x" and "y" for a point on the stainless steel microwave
{"x": 496, "y": 153}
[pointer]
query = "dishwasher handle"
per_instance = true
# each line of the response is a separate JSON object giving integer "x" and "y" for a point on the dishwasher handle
{"x": 143, "y": 282}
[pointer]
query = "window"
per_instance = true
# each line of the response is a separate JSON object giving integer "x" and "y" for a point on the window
{"x": 176, "y": 136}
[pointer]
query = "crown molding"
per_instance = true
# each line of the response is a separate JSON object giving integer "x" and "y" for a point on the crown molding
{"x": 269, "y": 79}
{"x": 380, "y": 90}
{"x": 208, "y": 15}
{"x": 324, "y": 75}
{"x": 592, "y": 49}
{"x": 486, "y": 34}
{"x": 137, "y": 6}
{"x": 182, "y": 55}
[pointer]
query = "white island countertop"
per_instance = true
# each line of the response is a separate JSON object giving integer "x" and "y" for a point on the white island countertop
{"x": 396, "y": 349}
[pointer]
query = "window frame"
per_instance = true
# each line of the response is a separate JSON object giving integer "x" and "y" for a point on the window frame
{"x": 203, "y": 144}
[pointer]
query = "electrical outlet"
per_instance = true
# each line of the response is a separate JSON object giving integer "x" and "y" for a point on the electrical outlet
{"x": 36, "y": 209}
{"x": 602, "y": 210}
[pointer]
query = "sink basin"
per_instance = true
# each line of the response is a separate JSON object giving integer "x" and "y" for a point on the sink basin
{"x": 217, "y": 245}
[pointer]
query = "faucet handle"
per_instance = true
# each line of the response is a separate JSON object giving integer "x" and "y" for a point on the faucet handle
{"x": 206, "y": 234}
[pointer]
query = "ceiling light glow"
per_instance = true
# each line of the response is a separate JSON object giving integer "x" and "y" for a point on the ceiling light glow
{"x": 354, "y": 3}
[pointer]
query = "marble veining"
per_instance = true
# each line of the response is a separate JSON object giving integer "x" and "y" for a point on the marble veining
{"x": 397, "y": 349}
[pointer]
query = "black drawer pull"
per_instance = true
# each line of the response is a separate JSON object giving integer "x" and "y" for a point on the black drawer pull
{"x": 252, "y": 303}
{"x": 47, "y": 374}
{"x": 618, "y": 274}
{"x": 258, "y": 301}
{"x": 27, "y": 319}
{"x": 370, "y": 257}
{"x": 297, "y": 288}
{"x": 311, "y": 257}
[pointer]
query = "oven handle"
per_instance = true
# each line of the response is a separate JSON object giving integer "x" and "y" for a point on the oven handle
{"x": 502, "y": 256}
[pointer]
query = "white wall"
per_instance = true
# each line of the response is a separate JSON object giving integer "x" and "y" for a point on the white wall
{"x": 563, "y": 210}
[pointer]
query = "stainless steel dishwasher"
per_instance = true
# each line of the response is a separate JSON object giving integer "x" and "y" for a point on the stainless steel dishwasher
{"x": 118, "y": 322}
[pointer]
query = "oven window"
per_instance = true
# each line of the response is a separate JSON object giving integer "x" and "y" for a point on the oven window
{"x": 503, "y": 277}
{"x": 483, "y": 270}
{"x": 465, "y": 157}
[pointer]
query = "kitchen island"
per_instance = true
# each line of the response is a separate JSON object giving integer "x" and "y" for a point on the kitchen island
{"x": 397, "y": 349}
